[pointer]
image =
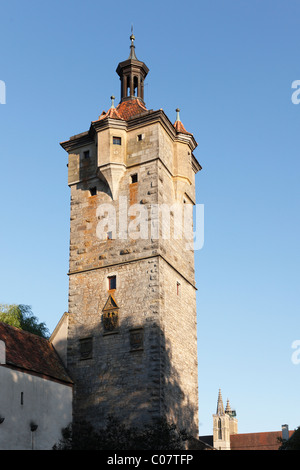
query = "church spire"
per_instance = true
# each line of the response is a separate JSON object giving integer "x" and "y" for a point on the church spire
{"x": 220, "y": 406}
{"x": 228, "y": 408}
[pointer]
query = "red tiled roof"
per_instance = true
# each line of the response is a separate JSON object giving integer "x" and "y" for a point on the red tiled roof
{"x": 111, "y": 113}
{"x": 130, "y": 108}
{"x": 256, "y": 441}
{"x": 125, "y": 110}
{"x": 32, "y": 353}
{"x": 180, "y": 128}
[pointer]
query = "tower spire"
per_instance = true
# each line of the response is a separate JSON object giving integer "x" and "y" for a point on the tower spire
{"x": 228, "y": 407}
{"x": 132, "y": 54}
{"x": 220, "y": 406}
{"x": 132, "y": 73}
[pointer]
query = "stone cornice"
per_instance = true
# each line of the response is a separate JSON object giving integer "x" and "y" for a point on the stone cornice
{"x": 133, "y": 260}
{"x": 79, "y": 140}
{"x": 142, "y": 119}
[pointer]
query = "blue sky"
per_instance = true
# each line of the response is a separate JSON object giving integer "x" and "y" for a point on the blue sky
{"x": 229, "y": 66}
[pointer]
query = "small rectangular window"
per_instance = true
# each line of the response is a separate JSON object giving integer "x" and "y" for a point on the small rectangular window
{"x": 93, "y": 191}
{"x": 109, "y": 236}
{"x": 140, "y": 137}
{"x": 136, "y": 339}
{"x": 112, "y": 282}
{"x": 117, "y": 140}
{"x": 86, "y": 154}
{"x": 134, "y": 178}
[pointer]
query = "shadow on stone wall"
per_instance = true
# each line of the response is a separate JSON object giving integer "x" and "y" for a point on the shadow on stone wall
{"x": 129, "y": 375}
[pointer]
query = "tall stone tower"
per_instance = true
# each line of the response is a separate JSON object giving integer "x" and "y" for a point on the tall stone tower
{"x": 224, "y": 424}
{"x": 132, "y": 346}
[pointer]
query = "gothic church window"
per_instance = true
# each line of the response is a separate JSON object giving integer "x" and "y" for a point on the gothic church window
{"x": 219, "y": 429}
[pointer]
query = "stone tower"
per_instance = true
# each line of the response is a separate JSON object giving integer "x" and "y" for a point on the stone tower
{"x": 224, "y": 424}
{"x": 132, "y": 345}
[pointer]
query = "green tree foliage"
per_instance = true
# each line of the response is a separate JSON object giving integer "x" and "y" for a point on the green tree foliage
{"x": 293, "y": 443}
{"x": 22, "y": 317}
{"x": 116, "y": 436}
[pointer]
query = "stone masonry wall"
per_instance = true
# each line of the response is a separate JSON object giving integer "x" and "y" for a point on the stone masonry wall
{"x": 146, "y": 366}
{"x": 117, "y": 379}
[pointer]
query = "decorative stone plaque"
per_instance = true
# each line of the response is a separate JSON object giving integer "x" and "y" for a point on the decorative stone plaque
{"x": 110, "y": 320}
{"x": 110, "y": 315}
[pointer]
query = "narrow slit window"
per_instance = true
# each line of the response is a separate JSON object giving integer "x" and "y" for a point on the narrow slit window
{"x": 112, "y": 282}
{"x": 22, "y": 398}
{"x": 134, "y": 178}
{"x": 117, "y": 140}
{"x": 178, "y": 288}
{"x": 93, "y": 191}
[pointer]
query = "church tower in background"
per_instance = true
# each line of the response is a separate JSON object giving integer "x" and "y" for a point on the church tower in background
{"x": 225, "y": 424}
{"x": 131, "y": 335}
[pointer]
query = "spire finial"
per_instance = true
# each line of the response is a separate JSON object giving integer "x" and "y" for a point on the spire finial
{"x": 112, "y": 101}
{"x": 132, "y": 46}
{"x": 177, "y": 115}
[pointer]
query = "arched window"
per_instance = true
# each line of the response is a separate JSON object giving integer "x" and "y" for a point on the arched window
{"x": 128, "y": 86}
{"x": 135, "y": 86}
{"x": 220, "y": 429}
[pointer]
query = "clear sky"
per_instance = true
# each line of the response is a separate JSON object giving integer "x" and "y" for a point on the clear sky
{"x": 229, "y": 66}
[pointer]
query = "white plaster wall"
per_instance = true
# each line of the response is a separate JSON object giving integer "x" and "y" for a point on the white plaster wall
{"x": 46, "y": 403}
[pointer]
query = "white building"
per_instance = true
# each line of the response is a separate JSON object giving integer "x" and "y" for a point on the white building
{"x": 35, "y": 392}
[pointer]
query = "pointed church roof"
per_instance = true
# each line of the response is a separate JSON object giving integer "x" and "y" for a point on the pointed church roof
{"x": 220, "y": 406}
{"x": 228, "y": 408}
